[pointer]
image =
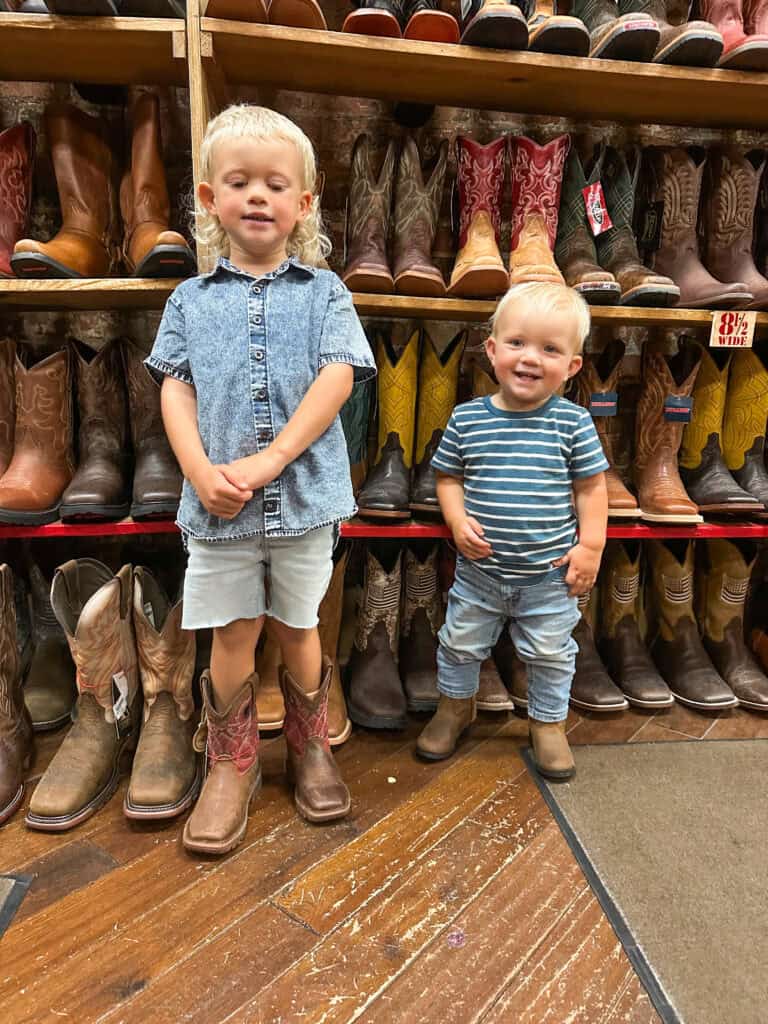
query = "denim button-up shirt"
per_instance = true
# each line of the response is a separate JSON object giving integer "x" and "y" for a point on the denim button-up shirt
{"x": 252, "y": 347}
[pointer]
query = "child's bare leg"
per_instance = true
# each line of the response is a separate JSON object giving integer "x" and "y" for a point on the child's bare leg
{"x": 302, "y": 654}
{"x": 232, "y": 657}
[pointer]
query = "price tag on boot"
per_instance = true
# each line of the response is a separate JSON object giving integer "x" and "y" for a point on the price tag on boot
{"x": 596, "y": 209}
{"x": 120, "y": 702}
{"x": 733, "y": 328}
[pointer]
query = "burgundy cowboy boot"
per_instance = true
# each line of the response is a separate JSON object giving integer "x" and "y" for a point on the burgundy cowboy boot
{"x": 536, "y": 175}
{"x": 17, "y": 156}
{"x": 745, "y": 37}
{"x": 368, "y": 219}
{"x": 15, "y": 727}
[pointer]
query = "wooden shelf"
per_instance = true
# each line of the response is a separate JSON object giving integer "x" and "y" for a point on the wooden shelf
{"x": 466, "y": 76}
{"x": 85, "y": 293}
{"x": 113, "y": 51}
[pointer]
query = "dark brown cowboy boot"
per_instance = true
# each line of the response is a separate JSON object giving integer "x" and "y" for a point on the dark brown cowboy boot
{"x": 370, "y": 204}
{"x": 49, "y": 684}
{"x": 479, "y": 271}
{"x": 17, "y": 158}
{"x": 7, "y": 402}
{"x": 592, "y": 687}
{"x": 422, "y": 616}
{"x": 15, "y": 727}
{"x": 536, "y": 176}
{"x": 328, "y": 626}
{"x": 684, "y": 43}
{"x": 417, "y": 206}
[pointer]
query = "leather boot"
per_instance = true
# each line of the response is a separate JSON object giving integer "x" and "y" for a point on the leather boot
{"x": 49, "y": 685}
{"x": 417, "y": 207}
{"x": 596, "y": 388}
{"x": 328, "y": 626}
{"x": 660, "y": 490}
{"x": 354, "y": 415}
{"x": 722, "y": 585}
{"x": 94, "y": 609}
{"x": 85, "y": 246}
{"x": 499, "y": 24}
{"x": 297, "y": 14}
{"x": 574, "y": 246}
{"x": 479, "y": 270}
{"x": 592, "y": 687}
{"x": 557, "y": 33}
{"x": 759, "y": 640}
{"x": 42, "y": 463}
{"x": 492, "y": 694}
{"x": 677, "y": 177}
{"x": 440, "y": 736}
{"x": 550, "y": 749}
{"x": 100, "y": 488}
{"x": 254, "y": 11}
{"x": 621, "y": 646}
{"x": 17, "y": 158}
{"x": 425, "y": 21}
{"x": 746, "y": 412}
{"x": 320, "y": 793}
{"x": 368, "y": 218}
{"x": 695, "y": 44}
{"x": 512, "y": 671}
{"x": 15, "y": 727}
{"x": 629, "y": 37}
{"x": 7, "y": 402}
{"x": 536, "y": 174}
{"x": 149, "y": 248}
{"x": 230, "y": 740}
{"x": 422, "y": 616}
{"x": 438, "y": 382}
{"x": 677, "y": 648}
{"x": 269, "y": 696}
{"x": 386, "y": 492}
{"x": 375, "y": 696}
{"x": 156, "y": 475}
{"x": 376, "y": 18}
{"x": 616, "y": 248}
{"x": 702, "y": 468}
{"x": 744, "y": 49}
{"x": 728, "y": 213}
{"x": 166, "y": 771}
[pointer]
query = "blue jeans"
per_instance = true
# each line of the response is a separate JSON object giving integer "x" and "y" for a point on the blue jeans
{"x": 541, "y": 616}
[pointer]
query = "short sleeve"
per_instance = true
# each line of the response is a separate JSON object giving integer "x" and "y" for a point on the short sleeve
{"x": 587, "y": 455}
{"x": 448, "y": 458}
{"x": 169, "y": 357}
{"x": 343, "y": 339}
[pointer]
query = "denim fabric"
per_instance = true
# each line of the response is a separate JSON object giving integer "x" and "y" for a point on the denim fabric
{"x": 542, "y": 616}
{"x": 252, "y": 347}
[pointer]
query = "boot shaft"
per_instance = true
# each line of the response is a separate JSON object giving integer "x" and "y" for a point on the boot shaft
{"x": 101, "y": 401}
{"x": 574, "y": 240}
{"x": 370, "y": 201}
{"x": 44, "y": 408}
{"x": 397, "y": 379}
{"x": 17, "y": 156}
{"x": 658, "y": 438}
{"x": 438, "y": 383}
{"x": 722, "y": 585}
{"x": 536, "y": 174}
{"x": 306, "y": 717}
{"x": 11, "y": 700}
{"x": 480, "y": 182}
{"x": 671, "y": 581}
{"x": 620, "y": 590}
{"x": 731, "y": 186}
{"x": 727, "y": 17}
{"x": 599, "y": 376}
{"x": 417, "y": 206}
{"x": 746, "y": 409}
{"x": 619, "y": 173}
{"x": 232, "y": 734}
{"x": 421, "y": 591}
{"x": 7, "y": 401}
{"x": 143, "y": 401}
{"x": 329, "y": 612}
{"x": 381, "y": 600}
{"x": 677, "y": 180}
{"x": 755, "y": 17}
{"x": 708, "y": 408}
{"x": 143, "y": 191}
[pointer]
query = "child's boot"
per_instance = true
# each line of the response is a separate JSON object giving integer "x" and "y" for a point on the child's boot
{"x": 320, "y": 793}
{"x": 440, "y": 736}
{"x": 233, "y": 776}
{"x": 551, "y": 753}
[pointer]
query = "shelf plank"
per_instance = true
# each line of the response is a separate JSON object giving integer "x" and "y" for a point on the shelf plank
{"x": 114, "y": 51}
{"x": 85, "y": 293}
{"x": 466, "y": 76}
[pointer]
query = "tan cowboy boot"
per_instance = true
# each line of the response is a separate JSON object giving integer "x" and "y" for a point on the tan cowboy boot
{"x": 479, "y": 271}
{"x": 536, "y": 174}
{"x": 440, "y": 737}
{"x": 551, "y": 752}
{"x": 269, "y": 696}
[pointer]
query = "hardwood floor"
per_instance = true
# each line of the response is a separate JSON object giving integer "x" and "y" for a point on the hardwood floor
{"x": 447, "y": 895}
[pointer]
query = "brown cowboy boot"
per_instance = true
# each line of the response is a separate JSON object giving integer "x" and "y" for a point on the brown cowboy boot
{"x": 230, "y": 740}
{"x": 15, "y": 727}
{"x": 370, "y": 204}
{"x": 550, "y": 749}
{"x": 320, "y": 793}
{"x": 328, "y": 626}
{"x": 592, "y": 688}
{"x": 479, "y": 270}
{"x": 536, "y": 174}
{"x": 417, "y": 207}
{"x": 512, "y": 670}
{"x": 49, "y": 684}
{"x": 166, "y": 771}
{"x": 269, "y": 696}
{"x": 422, "y": 616}
{"x": 683, "y": 43}
{"x": 17, "y": 158}
{"x": 7, "y": 402}
{"x": 440, "y": 736}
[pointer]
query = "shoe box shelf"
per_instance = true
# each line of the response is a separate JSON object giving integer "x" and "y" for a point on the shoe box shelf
{"x": 85, "y": 294}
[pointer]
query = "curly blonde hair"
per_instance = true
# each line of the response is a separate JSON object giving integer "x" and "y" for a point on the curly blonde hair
{"x": 307, "y": 241}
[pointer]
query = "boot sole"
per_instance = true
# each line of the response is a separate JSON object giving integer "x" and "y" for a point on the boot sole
{"x": 659, "y": 517}
{"x": 154, "y": 510}
{"x": 372, "y": 23}
{"x": 695, "y": 49}
{"x": 51, "y": 724}
{"x": 666, "y": 703}
{"x": 201, "y": 846}
{"x": 147, "y": 812}
{"x": 376, "y": 721}
{"x": 480, "y": 282}
{"x": 424, "y": 506}
{"x": 651, "y": 296}
{"x": 499, "y": 706}
{"x": 411, "y": 282}
{"x": 727, "y": 702}
{"x": 37, "y": 265}
{"x": 628, "y": 42}
{"x": 64, "y": 822}
{"x": 167, "y": 261}
{"x": 81, "y": 510}
{"x": 747, "y": 57}
{"x": 742, "y": 704}
{"x": 600, "y": 707}
{"x": 624, "y": 513}
{"x": 736, "y": 506}
{"x": 271, "y": 726}
{"x": 560, "y": 37}
{"x": 380, "y": 513}
{"x": 599, "y": 293}
{"x": 505, "y": 29}
{"x": 17, "y": 517}
{"x": 555, "y": 775}
{"x": 419, "y": 706}
{"x": 9, "y": 809}
{"x": 371, "y": 281}
{"x": 730, "y": 300}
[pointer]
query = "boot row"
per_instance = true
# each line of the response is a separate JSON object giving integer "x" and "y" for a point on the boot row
{"x": 99, "y": 8}
{"x": 64, "y": 426}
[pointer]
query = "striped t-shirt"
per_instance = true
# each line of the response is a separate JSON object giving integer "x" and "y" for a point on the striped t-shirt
{"x": 517, "y": 469}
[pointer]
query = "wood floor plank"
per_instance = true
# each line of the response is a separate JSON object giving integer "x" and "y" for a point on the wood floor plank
{"x": 62, "y": 871}
{"x": 615, "y": 728}
{"x": 740, "y": 725}
{"x": 684, "y": 719}
{"x": 653, "y": 732}
{"x": 633, "y": 1005}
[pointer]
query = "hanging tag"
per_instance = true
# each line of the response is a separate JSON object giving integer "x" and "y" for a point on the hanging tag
{"x": 149, "y": 611}
{"x": 649, "y": 235}
{"x": 465, "y": 9}
{"x": 597, "y": 211}
{"x": 120, "y": 702}
{"x": 678, "y": 409}
{"x": 604, "y": 403}
{"x": 733, "y": 328}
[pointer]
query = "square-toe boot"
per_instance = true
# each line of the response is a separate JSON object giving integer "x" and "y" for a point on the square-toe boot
{"x": 438, "y": 382}
{"x": 666, "y": 382}
{"x": 42, "y": 465}
{"x": 269, "y": 696}
{"x": 617, "y": 248}
{"x": 722, "y": 585}
{"x": 425, "y": 20}
{"x": 592, "y": 688}
{"x": 536, "y": 176}
{"x": 7, "y": 401}
{"x": 166, "y": 770}
{"x": 479, "y": 271}
{"x": 746, "y": 412}
{"x": 320, "y": 793}
{"x": 386, "y": 492}
{"x": 49, "y": 683}
{"x": 440, "y": 736}
{"x": 421, "y": 618}
{"x": 297, "y": 14}
{"x": 230, "y": 741}
{"x": 550, "y": 749}
{"x": 744, "y": 29}
{"x": 731, "y": 184}
{"x": 93, "y": 607}
{"x": 368, "y": 219}
{"x": 375, "y": 697}
{"x": 16, "y": 745}
{"x": 617, "y": 37}
{"x": 556, "y": 33}
{"x": 329, "y": 627}
{"x": 100, "y": 488}
{"x": 696, "y": 44}
{"x": 595, "y": 387}
{"x": 157, "y": 478}
{"x": 676, "y": 646}
{"x": 150, "y": 249}
{"x": 355, "y": 414}
{"x": 498, "y": 24}
{"x": 417, "y": 207}
{"x": 621, "y": 646}
{"x": 17, "y": 159}
{"x": 85, "y": 245}
{"x": 702, "y": 468}
{"x": 376, "y": 18}
{"x": 575, "y": 251}
{"x": 512, "y": 670}
{"x": 676, "y": 182}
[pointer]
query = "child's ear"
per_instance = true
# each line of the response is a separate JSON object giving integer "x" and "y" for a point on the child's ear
{"x": 575, "y": 365}
{"x": 490, "y": 347}
{"x": 206, "y": 196}
{"x": 305, "y": 204}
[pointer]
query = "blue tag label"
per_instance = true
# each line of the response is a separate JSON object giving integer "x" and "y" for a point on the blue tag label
{"x": 678, "y": 409}
{"x": 604, "y": 403}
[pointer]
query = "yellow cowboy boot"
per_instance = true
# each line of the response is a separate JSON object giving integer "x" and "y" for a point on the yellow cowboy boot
{"x": 746, "y": 412}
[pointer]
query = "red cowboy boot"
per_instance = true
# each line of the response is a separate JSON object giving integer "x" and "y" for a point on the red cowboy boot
{"x": 17, "y": 154}
{"x": 744, "y": 49}
{"x": 536, "y": 173}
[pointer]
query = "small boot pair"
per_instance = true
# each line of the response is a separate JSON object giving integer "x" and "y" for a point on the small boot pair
{"x": 402, "y": 19}
{"x": 650, "y": 30}
{"x": 291, "y": 13}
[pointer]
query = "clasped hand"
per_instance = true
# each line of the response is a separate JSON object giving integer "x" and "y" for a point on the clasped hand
{"x": 224, "y": 489}
{"x": 583, "y": 564}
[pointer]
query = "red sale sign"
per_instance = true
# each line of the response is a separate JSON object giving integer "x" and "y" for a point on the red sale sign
{"x": 733, "y": 328}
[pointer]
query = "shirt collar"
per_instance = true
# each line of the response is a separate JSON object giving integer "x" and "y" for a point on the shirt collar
{"x": 223, "y": 264}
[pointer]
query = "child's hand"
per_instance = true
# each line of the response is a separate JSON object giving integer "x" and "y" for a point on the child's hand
{"x": 468, "y": 538}
{"x": 219, "y": 495}
{"x": 583, "y": 564}
{"x": 254, "y": 471}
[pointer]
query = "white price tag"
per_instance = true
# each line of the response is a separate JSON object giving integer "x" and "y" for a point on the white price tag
{"x": 733, "y": 328}
{"x": 119, "y": 697}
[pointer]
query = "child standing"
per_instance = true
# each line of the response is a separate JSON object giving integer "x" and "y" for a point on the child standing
{"x": 518, "y": 472}
{"x": 256, "y": 358}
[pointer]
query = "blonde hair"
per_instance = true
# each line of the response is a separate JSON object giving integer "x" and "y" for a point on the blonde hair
{"x": 543, "y": 297}
{"x": 307, "y": 241}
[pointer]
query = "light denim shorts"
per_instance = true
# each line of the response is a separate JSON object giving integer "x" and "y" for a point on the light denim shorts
{"x": 284, "y": 577}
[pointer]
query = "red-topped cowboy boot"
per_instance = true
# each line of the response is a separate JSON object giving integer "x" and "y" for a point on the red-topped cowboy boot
{"x": 744, "y": 49}
{"x": 17, "y": 154}
{"x": 536, "y": 174}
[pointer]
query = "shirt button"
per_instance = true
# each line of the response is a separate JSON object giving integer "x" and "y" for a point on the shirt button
{"x": 265, "y": 435}
{"x": 256, "y": 290}
{"x": 270, "y": 506}
{"x": 261, "y": 394}
{"x": 259, "y": 355}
